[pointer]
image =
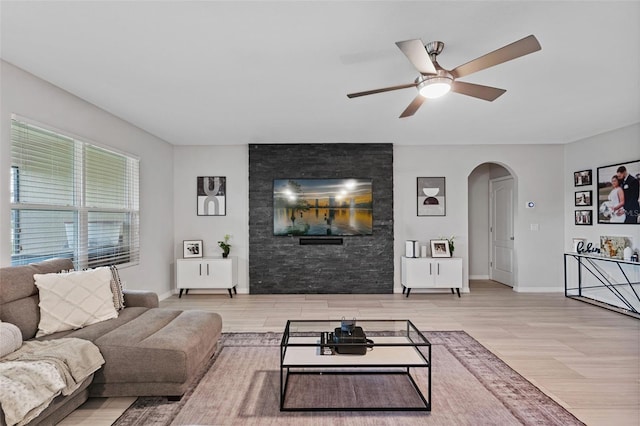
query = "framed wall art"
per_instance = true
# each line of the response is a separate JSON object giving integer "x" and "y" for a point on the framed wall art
{"x": 618, "y": 193}
{"x": 212, "y": 195}
{"x": 431, "y": 196}
{"x": 584, "y": 217}
{"x": 582, "y": 178}
{"x": 440, "y": 248}
{"x": 191, "y": 248}
{"x": 584, "y": 198}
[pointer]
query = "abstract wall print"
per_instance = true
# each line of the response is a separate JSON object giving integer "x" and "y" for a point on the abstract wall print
{"x": 618, "y": 193}
{"x": 431, "y": 196}
{"x": 212, "y": 196}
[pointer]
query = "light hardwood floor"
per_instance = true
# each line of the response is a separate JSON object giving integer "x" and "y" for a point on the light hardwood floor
{"x": 585, "y": 357}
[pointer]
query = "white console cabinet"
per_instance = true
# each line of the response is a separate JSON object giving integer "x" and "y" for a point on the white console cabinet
{"x": 207, "y": 273}
{"x": 430, "y": 272}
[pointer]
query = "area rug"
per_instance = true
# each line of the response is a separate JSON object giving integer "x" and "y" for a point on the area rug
{"x": 240, "y": 386}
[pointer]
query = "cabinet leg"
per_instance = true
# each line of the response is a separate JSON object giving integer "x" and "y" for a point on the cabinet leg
{"x": 404, "y": 289}
{"x": 452, "y": 292}
{"x": 458, "y": 290}
{"x": 408, "y": 291}
{"x": 235, "y": 290}
{"x": 180, "y": 295}
{"x": 230, "y": 294}
{"x": 186, "y": 291}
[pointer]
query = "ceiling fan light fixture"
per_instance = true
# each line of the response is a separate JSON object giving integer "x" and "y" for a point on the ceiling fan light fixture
{"x": 435, "y": 87}
{"x": 435, "y": 81}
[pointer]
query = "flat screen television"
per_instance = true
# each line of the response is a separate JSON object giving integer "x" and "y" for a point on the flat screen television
{"x": 322, "y": 207}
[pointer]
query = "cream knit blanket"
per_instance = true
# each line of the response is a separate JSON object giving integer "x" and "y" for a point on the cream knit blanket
{"x": 32, "y": 376}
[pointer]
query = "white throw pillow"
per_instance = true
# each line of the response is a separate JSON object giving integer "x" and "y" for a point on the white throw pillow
{"x": 10, "y": 338}
{"x": 74, "y": 300}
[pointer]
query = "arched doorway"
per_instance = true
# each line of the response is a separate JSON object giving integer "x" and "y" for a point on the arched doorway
{"x": 491, "y": 216}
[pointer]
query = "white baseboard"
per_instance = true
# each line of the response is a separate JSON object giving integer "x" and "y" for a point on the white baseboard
{"x": 528, "y": 289}
{"x": 478, "y": 277}
{"x": 165, "y": 295}
{"x": 204, "y": 291}
{"x": 431, "y": 290}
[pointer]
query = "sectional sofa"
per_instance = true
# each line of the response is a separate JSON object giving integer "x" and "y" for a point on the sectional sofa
{"x": 147, "y": 350}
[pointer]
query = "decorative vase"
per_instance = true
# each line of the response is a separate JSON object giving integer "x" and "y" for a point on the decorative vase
{"x": 225, "y": 254}
{"x": 627, "y": 253}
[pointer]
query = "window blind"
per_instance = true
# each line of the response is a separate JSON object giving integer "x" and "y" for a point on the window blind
{"x": 71, "y": 198}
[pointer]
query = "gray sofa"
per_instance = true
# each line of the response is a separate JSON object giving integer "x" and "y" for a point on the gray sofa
{"x": 148, "y": 351}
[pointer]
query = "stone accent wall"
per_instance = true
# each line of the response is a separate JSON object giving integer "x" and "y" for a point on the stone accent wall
{"x": 279, "y": 264}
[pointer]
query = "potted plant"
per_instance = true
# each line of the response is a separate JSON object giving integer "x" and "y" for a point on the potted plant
{"x": 225, "y": 246}
{"x": 451, "y": 245}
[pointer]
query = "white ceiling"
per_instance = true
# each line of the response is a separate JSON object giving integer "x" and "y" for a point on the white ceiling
{"x": 213, "y": 72}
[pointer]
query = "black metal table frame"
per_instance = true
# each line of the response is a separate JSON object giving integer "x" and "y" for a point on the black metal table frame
{"x": 587, "y": 263}
{"x": 369, "y": 369}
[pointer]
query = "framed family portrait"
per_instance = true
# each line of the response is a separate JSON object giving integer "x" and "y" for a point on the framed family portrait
{"x": 212, "y": 195}
{"x": 191, "y": 248}
{"x": 440, "y": 248}
{"x": 431, "y": 196}
{"x": 617, "y": 191}
{"x": 583, "y": 198}
{"x": 582, "y": 178}
{"x": 584, "y": 217}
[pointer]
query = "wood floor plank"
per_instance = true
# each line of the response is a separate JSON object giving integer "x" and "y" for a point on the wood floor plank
{"x": 585, "y": 357}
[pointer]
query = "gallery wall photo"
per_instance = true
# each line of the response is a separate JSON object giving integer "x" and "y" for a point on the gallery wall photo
{"x": 618, "y": 193}
{"x": 582, "y": 178}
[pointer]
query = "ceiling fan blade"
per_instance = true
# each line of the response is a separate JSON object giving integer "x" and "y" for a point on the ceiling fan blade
{"x": 417, "y": 54}
{"x": 476, "y": 90}
{"x": 511, "y": 51}
{"x": 413, "y": 106}
{"x": 384, "y": 89}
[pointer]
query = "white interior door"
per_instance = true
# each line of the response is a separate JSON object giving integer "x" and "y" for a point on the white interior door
{"x": 501, "y": 230}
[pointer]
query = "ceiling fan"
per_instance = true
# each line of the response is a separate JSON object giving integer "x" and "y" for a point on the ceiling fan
{"x": 435, "y": 81}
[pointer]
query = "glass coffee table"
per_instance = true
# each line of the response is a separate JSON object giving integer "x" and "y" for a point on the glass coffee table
{"x": 394, "y": 374}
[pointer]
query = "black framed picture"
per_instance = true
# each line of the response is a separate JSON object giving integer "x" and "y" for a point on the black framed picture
{"x": 584, "y": 198}
{"x": 191, "y": 248}
{"x": 582, "y": 178}
{"x": 212, "y": 195}
{"x": 618, "y": 198}
{"x": 584, "y": 217}
{"x": 432, "y": 196}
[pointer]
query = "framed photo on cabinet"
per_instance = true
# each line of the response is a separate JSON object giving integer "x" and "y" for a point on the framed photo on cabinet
{"x": 191, "y": 248}
{"x": 440, "y": 248}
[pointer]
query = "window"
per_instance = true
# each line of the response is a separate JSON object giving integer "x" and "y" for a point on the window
{"x": 71, "y": 198}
